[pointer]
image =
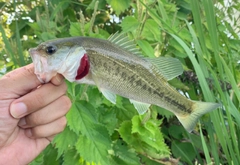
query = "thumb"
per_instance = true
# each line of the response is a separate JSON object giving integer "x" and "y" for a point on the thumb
{"x": 19, "y": 82}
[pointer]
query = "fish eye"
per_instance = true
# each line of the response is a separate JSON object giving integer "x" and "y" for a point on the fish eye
{"x": 50, "y": 50}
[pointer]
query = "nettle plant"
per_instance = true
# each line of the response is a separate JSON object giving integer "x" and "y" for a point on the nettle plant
{"x": 99, "y": 132}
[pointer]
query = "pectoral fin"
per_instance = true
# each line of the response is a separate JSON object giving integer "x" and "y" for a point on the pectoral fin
{"x": 140, "y": 107}
{"x": 109, "y": 95}
{"x": 106, "y": 93}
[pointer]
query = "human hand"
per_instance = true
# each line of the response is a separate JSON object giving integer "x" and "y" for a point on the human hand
{"x": 30, "y": 115}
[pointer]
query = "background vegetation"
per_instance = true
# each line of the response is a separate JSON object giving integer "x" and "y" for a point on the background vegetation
{"x": 203, "y": 35}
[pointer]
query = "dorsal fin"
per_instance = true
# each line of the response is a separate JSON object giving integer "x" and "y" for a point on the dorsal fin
{"x": 122, "y": 40}
{"x": 168, "y": 67}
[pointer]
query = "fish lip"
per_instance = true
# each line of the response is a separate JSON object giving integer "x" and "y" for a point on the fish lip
{"x": 43, "y": 75}
{"x": 32, "y": 51}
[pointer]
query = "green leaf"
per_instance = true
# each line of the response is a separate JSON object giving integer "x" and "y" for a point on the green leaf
{"x": 123, "y": 155}
{"x": 93, "y": 150}
{"x": 145, "y": 138}
{"x": 108, "y": 118}
{"x": 95, "y": 97}
{"x": 151, "y": 31}
{"x": 73, "y": 118}
{"x": 129, "y": 23}
{"x": 125, "y": 131}
{"x": 50, "y": 156}
{"x": 38, "y": 160}
{"x": 80, "y": 118}
{"x": 162, "y": 111}
{"x": 176, "y": 131}
{"x": 94, "y": 143}
{"x": 65, "y": 140}
{"x": 47, "y": 36}
{"x": 177, "y": 49}
{"x": 148, "y": 160}
{"x": 119, "y": 6}
{"x": 150, "y": 133}
{"x": 71, "y": 157}
{"x": 146, "y": 48}
{"x": 75, "y": 29}
{"x": 124, "y": 109}
{"x": 184, "y": 151}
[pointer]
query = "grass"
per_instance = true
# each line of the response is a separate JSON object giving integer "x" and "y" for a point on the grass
{"x": 222, "y": 144}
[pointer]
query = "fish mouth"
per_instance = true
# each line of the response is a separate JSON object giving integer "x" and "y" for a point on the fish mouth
{"x": 45, "y": 77}
{"x": 41, "y": 69}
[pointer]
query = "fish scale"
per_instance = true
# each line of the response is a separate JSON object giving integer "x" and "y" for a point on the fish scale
{"x": 129, "y": 85}
{"x": 118, "y": 68}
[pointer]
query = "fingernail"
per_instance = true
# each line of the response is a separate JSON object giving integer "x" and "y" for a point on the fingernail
{"x": 59, "y": 79}
{"x": 22, "y": 122}
{"x": 28, "y": 132}
{"x": 18, "y": 110}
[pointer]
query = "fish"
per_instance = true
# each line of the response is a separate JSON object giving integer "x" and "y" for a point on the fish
{"x": 117, "y": 67}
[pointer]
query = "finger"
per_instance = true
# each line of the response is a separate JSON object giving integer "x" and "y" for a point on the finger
{"x": 47, "y": 130}
{"x": 37, "y": 99}
{"x": 47, "y": 114}
{"x": 50, "y": 138}
{"x": 19, "y": 82}
{"x": 57, "y": 80}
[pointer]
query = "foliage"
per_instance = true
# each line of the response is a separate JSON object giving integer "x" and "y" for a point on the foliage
{"x": 198, "y": 33}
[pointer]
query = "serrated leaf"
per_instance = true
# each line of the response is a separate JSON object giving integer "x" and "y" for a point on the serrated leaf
{"x": 65, "y": 140}
{"x": 75, "y": 29}
{"x": 71, "y": 157}
{"x": 147, "y": 160}
{"x": 95, "y": 97}
{"x": 125, "y": 131}
{"x": 123, "y": 155}
{"x": 145, "y": 138}
{"x": 81, "y": 117}
{"x": 149, "y": 133}
{"x": 47, "y": 36}
{"x": 94, "y": 143}
{"x": 151, "y": 31}
{"x": 93, "y": 150}
{"x": 129, "y": 23}
{"x": 119, "y": 6}
{"x": 108, "y": 118}
{"x": 38, "y": 160}
{"x": 50, "y": 156}
{"x": 73, "y": 119}
{"x": 124, "y": 109}
{"x": 162, "y": 112}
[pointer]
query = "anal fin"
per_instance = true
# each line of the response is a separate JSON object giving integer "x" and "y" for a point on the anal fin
{"x": 140, "y": 107}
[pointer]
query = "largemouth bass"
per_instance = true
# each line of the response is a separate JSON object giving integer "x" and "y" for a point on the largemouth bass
{"x": 116, "y": 66}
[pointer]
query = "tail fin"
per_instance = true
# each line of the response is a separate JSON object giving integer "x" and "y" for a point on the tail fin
{"x": 199, "y": 108}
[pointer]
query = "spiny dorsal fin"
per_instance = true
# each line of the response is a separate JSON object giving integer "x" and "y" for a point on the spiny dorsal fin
{"x": 122, "y": 40}
{"x": 167, "y": 67}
